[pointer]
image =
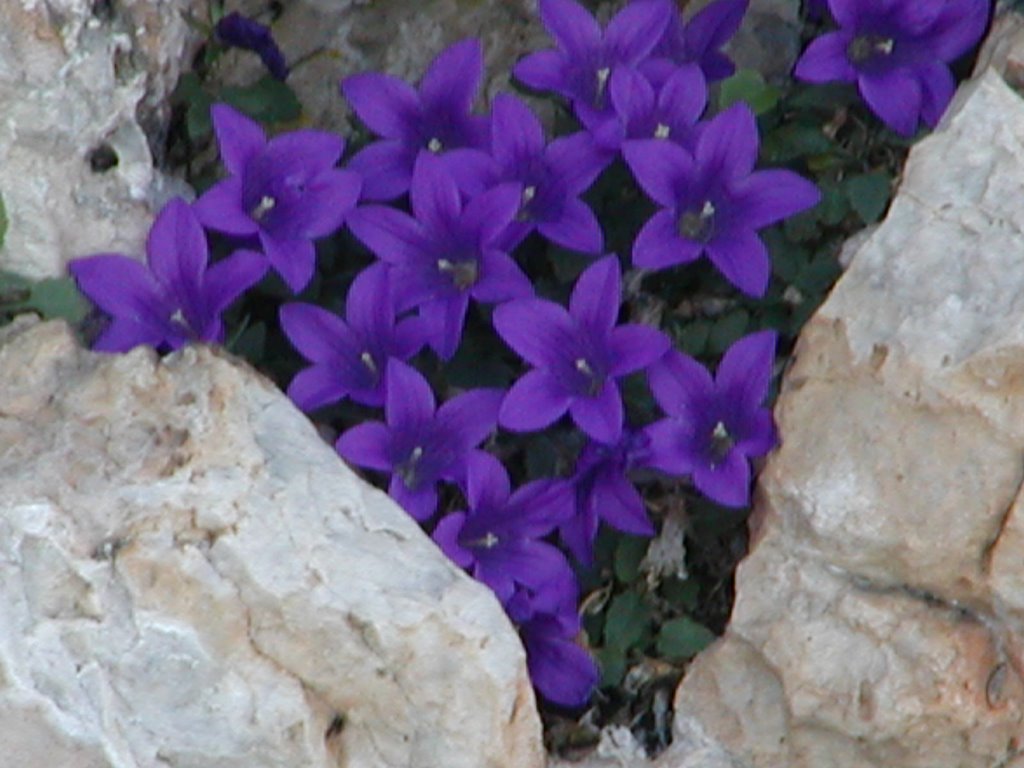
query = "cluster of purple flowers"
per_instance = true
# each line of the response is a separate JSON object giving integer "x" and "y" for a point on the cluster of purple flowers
{"x": 476, "y": 187}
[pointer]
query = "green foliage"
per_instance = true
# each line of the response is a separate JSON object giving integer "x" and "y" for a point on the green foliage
{"x": 683, "y": 638}
{"x": 748, "y": 85}
{"x": 51, "y": 298}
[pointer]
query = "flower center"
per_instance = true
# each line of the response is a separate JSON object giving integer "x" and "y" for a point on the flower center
{"x": 407, "y": 472}
{"x": 698, "y": 225}
{"x": 864, "y": 47}
{"x": 662, "y": 131}
{"x": 261, "y": 208}
{"x": 178, "y": 317}
{"x": 435, "y": 145}
{"x": 489, "y": 541}
{"x": 594, "y": 382}
{"x": 602, "y": 81}
{"x": 721, "y": 443}
{"x": 463, "y": 273}
{"x": 367, "y": 359}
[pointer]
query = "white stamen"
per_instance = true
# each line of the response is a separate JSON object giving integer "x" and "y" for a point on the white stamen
{"x": 266, "y": 203}
{"x": 708, "y": 210}
{"x": 529, "y": 193}
{"x": 662, "y": 131}
{"x": 178, "y": 316}
{"x": 444, "y": 265}
{"x": 584, "y": 367}
{"x": 416, "y": 455}
{"x": 885, "y": 46}
{"x": 720, "y": 432}
{"x": 602, "y": 78}
{"x": 367, "y": 359}
{"x": 489, "y": 540}
{"x": 435, "y": 145}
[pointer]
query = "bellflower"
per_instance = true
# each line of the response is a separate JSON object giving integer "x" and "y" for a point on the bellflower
{"x": 499, "y": 536}
{"x": 713, "y": 202}
{"x": 698, "y": 41}
{"x": 552, "y": 176}
{"x": 349, "y": 357}
{"x": 897, "y": 53}
{"x": 434, "y": 118}
{"x": 238, "y": 31}
{"x": 286, "y": 191}
{"x": 580, "y": 67}
{"x": 714, "y": 425}
{"x": 671, "y": 112}
{"x": 420, "y": 444}
{"x": 176, "y": 297}
{"x": 446, "y": 252}
{"x": 548, "y": 622}
{"x": 577, "y": 354}
{"x": 604, "y": 492}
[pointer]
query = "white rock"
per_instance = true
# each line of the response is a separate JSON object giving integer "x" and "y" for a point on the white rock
{"x": 190, "y": 577}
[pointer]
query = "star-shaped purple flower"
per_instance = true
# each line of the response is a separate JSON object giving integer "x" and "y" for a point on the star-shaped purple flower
{"x": 580, "y": 67}
{"x": 349, "y": 357}
{"x": 713, "y": 202}
{"x": 446, "y": 252}
{"x": 420, "y": 445}
{"x": 237, "y": 31}
{"x": 714, "y": 425}
{"x": 179, "y": 298}
{"x": 561, "y": 670}
{"x": 499, "y": 536}
{"x": 577, "y": 354}
{"x": 286, "y": 191}
{"x": 434, "y": 118}
{"x": 898, "y": 54}
{"x": 698, "y": 41}
{"x": 552, "y": 176}
{"x": 605, "y": 492}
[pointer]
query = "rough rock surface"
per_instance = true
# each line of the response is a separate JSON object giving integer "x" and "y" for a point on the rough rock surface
{"x": 190, "y": 577}
{"x": 879, "y": 618}
{"x": 78, "y": 79}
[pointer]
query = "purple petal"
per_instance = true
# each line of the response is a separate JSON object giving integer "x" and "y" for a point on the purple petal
{"x": 176, "y": 249}
{"x": 501, "y": 279}
{"x": 713, "y": 26}
{"x": 366, "y": 445}
{"x": 619, "y": 504}
{"x": 542, "y": 506}
{"x": 895, "y": 97}
{"x": 229, "y": 278}
{"x": 577, "y": 228}
{"x": 743, "y": 259}
{"x": 765, "y": 197}
{"x": 728, "y": 145}
{"x": 633, "y": 32}
{"x": 220, "y": 209}
{"x": 294, "y": 260}
{"x": 315, "y": 387}
{"x": 658, "y": 244}
{"x": 489, "y": 213}
{"x": 757, "y": 434}
{"x": 517, "y": 136}
{"x": 727, "y": 483}
{"x": 631, "y": 94}
{"x": 825, "y": 60}
{"x": 661, "y": 168}
{"x": 444, "y": 320}
{"x": 394, "y": 236}
{"x": 600, "y": 417}
{"x": 369, "y": 307}
{"x": 573, "y": 28}
{"x": 446, "y": 536}
{"x": 576, "y": 161}
{"x": 310, "y": 150}
{"x": 122, "y": 335}
{"x": 848, "y": 13}
{"x": 538, "y": 330}
{"x": 470, "y": 417}
{"x": 959, "y": 27}
{"x": 388, "y": 106}
{"x": 238, "y": 137}
{"x": 670, "y": 449}
{"x": 542, "y": 71}
{"x": 633, "y": 347}
{"x": 745, "y": 370}
{"x": 314, "y": 332}
{"x": 434, "y": 195}
{"x": 474, "y": 170}
{"x": 535, "y": 401}
{"x": 937, "y": 87}
{"x": 419, "y": 503}
{"x": 683, "y": 97}
{"x": 681, "y": 386}
{"x": 563, "y": 672}
{"x": 597, "y": 295}
{"x": 386, "y": 168}
{"x": 452, "y": 79}
{"x": 487, "y": 484}
{"x": 121, "y": 287}
{"x": 409, "y": 401}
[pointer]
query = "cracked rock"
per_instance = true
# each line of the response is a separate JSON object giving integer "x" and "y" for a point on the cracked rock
{"x": 190, "y": 577}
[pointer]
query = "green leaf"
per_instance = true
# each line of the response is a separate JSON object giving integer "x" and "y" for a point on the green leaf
{"x": 748, "y": 85}
{"x": 683, "y": 638}
{"x": 727, "y": 329}
{"x": 268, "y": 100}
{"x": 613, "y": 666}
{"x": 626, "y": 623}
{"x": 834, "y": 204}
{"x": 794, "y": 140}
{"x": 869, "y": 195}
{"x": 54, "y": 297}
{"x": 692, "y": 337}
{"x": 250, "y": 343}
{"x": 682, "y": 593}
{"x": 3, "y": 221}
{"x": 628, "y": 554}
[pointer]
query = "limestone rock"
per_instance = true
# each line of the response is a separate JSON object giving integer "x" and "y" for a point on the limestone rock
{"x": 190, "y": 577}
{"x": 77, "y": 80}
{"x": 879, "y": 617}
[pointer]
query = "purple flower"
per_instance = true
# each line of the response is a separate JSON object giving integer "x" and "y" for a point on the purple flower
{"x": 552, "y": 177}
{"x": 178, "y": 298}
{"x": 577, "y": 355}
{"x": 604, "y": 492}
{"x": 897, "y": 53}
{"x": 713, "y": 202}
{"x": 286, "y": 191}
{"x": 670, "y": 112}
{"x": 447, "y": 252}
{"x": 434, "y": 118}
{"x": 580, "y": 68}
{"x": 420, "y": 445}
{"x": 713, "y": 426}
{"x": 237, "y": 31}
{"x": 699, "y": 40}
{"x": 499, "y": 537}
{"x": 561, "y": 670}
{"x": 349, "y": 357}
